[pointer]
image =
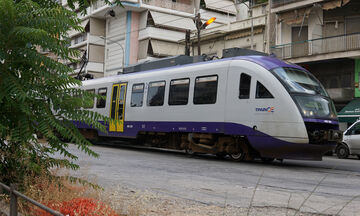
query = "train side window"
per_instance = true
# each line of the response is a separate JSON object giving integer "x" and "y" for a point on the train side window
{"x": 101, "y": 102}
{"x": 89, "y": 101}
{"x": 179, "y": 92}
{"x": 262, "y": 92}
{"x": 137, "y": 95}
{"x": 205, "y": 90}
{"x": 244, "y": 88}
{"x": 155, "y": 94}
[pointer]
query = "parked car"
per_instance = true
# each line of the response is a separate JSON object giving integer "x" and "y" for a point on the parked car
{"x": 351, "y": 142}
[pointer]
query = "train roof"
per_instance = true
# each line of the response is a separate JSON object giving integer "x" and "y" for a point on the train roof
{"x": 268, "y": 62}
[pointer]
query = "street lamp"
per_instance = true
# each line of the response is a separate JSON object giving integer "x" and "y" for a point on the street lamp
{"x": 122, "y": 48}
{"x": 200, "y": 26}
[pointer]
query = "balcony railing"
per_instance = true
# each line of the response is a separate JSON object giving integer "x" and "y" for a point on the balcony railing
{"x": 189, "y": 8}
{"x": 326, "y": 45}
{"x": 277, "y": 3}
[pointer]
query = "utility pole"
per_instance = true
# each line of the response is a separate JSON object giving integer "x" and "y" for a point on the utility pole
{"x": 198, "y": 26}
{"x": 187, "y": 42}
{"x": 85, "y": 61}
{"x": 198, "y": 22}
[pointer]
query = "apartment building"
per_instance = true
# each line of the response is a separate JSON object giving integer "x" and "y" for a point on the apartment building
{"x": 141, "y": 30}
{"x": 324, "y": 37}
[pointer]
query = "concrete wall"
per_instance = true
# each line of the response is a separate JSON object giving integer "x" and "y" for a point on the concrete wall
{"x": 97, "y": 27}
{"x": 96, "y": 53}
{"x": 242, "y": 11}
{"x": 216, "y": 46}
{"x": 315, "y": 28}
{"x": 116, "y": 31}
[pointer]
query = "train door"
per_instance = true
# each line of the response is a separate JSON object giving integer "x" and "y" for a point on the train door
{"x": 117, "y": 108}
{"x": 239, "y": 96}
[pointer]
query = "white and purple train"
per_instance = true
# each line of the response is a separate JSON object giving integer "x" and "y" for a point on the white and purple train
{"x": 244, "y": 107}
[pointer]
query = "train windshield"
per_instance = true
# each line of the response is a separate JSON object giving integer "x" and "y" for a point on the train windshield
{"x": 299, "y": 81}
{"x": 315, "y": 106}
{"x": 313, "y": 101}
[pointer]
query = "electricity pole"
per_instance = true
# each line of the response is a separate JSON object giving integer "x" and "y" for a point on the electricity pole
{"x": 198, "y": 26}
{"x": 187, "y": 42}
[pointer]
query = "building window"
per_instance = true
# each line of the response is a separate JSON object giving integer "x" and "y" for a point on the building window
{"x": 205, "y": 90}
{"x": 262, "y": 92}
{"x": 244, "y": 88}
{"x": 155, "y": 94}
{"x": 101, "y": 102}
{"x": 79, "y": 38}
{"x": 137, "y": 95}
{"x": 179, "y": 92}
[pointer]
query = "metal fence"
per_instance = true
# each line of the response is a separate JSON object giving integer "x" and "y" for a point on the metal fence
{"x": 14, "y": 201}
{"x": 318, "y": 46}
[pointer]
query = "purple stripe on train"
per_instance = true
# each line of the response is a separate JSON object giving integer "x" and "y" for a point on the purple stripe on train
{"x": 321, "y": 121}
{"x": 266, "y": 145}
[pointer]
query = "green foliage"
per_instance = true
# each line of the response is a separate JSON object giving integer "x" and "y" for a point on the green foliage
{"x": 83, "y": 4}
{"x": 36, "y": 94}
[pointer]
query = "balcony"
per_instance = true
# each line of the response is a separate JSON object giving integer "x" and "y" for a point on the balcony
{"x": 279, "y": 6}
{"x": 188, "y": 8}
{"x": 342, "y": 43}
{"x": 278, "y": 3}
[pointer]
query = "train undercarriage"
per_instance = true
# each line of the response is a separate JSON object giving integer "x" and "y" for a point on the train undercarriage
{"x": 236, "y": 147}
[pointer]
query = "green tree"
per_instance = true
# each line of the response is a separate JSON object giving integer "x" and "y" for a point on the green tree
{"x": 36, "y": 94}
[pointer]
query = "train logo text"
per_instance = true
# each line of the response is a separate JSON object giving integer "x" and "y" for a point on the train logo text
{"x": 265, "y": 109}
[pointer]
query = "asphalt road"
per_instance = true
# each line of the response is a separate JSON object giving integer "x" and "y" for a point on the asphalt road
{"x": 330, "y": 186}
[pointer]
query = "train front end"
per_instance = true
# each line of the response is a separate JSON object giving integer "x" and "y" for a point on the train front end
{"x": 315, "y": 106}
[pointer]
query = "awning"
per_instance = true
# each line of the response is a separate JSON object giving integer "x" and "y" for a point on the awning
{"x": 226, "y": 6}
{"x": 172, "y": 21}
{"x": 83, "y": 24}
{"x": 351, "y": 112}
{"x": 334, "y": 4}
{"x": 242, "y": 34}
{"x": 164, "y": 48}
{"x": 294, "y": 16}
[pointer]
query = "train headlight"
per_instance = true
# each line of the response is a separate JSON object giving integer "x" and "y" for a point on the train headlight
{"x": 308, "y": 113}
